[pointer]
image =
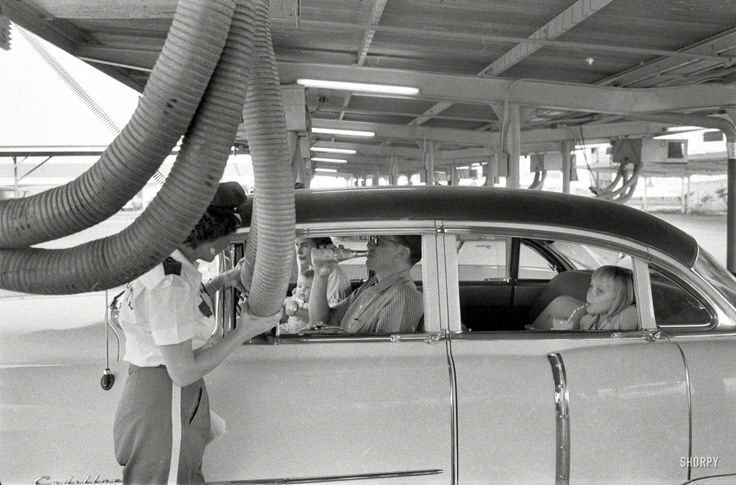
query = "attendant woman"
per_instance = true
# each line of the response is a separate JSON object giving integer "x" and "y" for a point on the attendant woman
{"x": 163, "y": 419}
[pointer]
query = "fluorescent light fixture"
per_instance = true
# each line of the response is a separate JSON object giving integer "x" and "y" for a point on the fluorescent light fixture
{"x": 334, "y": 131}
{"x": 346, "y": 151}
{"x": 684, "y": 128}
{"x": 359, "y": 87}
{"x": 330, "y": 160}
{"x": 328, "y": 170}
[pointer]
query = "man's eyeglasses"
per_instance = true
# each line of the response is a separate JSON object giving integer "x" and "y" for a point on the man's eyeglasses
{"x": 378, "y": 240}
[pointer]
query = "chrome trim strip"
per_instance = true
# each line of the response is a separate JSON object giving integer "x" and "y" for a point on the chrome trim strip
{"x": 426, "y": 337}
{"x": 689, "y": 409}
{"x": 708, "y": 477}
{"x": 454, "y": 441}
{"x": 335, "y": 478}
{"x": 562, "y": 406}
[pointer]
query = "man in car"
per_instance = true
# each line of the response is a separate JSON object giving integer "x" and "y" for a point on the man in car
{"x": 388, "y": 302}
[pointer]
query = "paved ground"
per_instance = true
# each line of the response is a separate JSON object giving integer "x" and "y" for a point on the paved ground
{"x": 708, "y": 230}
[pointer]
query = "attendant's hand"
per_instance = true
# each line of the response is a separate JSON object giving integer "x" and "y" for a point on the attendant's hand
{"x": 232, "y": 277}
{"x": 250, "y": 326}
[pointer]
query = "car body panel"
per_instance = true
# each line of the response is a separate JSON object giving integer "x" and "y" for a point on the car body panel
{"x": 332, "y": 408}
{"x": 506, "y": 413}
{"x": 629, "y": 413}
{"x": 712, "y": 372}
{"x": 55, "y": 418}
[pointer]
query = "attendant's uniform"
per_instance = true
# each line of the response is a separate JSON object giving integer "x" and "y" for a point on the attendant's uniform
{"x": 161, "y": 429}
{"x": 393, "y": 304}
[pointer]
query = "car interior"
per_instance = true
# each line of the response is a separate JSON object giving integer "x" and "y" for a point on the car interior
{"x": 505, "y": 283}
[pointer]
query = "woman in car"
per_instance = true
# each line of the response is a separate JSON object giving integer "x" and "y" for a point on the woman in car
{"x": 609, "y": 305}
{"x": 162, "y": 423}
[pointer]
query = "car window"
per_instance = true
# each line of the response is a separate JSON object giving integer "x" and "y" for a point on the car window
{"x": 586, "y": 256}
{"x": 675, "y": 304}
{"x": 481, "y": 258}
{"x": 534, "y": 266}
{"x": 375, "y": 309}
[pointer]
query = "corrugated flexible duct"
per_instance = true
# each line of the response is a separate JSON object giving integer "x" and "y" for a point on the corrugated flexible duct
{"x": 170, "y": 99}
{"x": 273, "y": 213}
{"x": 168, "y": 220}
{"x": 111, "y": 261}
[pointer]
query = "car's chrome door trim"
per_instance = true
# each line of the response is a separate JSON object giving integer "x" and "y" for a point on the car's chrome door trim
{"x": 335, "y": 478}
{"x": 689, "y": 409}
{"x": 562, "y": 407}
{"x": 454, "y": 419}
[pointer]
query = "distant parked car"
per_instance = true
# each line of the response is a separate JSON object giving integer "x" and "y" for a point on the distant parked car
{"x": 472, "y": 396}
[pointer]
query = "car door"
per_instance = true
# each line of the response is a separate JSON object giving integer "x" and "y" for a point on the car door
{"x": 338, "y": 407}
{"x": 572, "y": 407}
{"x": 701, "y": 323}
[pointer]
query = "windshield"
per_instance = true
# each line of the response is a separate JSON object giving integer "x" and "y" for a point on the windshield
{"x": 710, "y": 269}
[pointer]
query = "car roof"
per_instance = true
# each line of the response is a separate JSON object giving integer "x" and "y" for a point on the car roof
{"x": 500, "y": 205}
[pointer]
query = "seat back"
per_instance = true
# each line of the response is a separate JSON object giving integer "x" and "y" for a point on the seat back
{"x": 573, "y": 283}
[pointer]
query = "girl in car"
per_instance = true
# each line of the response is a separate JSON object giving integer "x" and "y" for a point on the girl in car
{"x": 609, "y": 305}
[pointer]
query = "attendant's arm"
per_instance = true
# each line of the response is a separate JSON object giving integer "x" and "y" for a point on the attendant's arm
{"x": 226, "y": 278}
{"x": 186, "y": 366}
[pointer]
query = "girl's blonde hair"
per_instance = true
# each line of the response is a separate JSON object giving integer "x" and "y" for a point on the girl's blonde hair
{"x": 623, "y": 281}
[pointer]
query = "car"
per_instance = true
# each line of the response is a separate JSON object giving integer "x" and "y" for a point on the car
{"x": 473, "y": 396}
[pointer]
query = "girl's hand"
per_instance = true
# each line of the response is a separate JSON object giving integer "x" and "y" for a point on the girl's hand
{"x": 290, "y": 307}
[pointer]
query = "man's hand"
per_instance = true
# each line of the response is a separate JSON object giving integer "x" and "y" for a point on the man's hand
{"x": 324, "y": 261}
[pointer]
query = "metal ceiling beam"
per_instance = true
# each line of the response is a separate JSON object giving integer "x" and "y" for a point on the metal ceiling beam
{"x": 569, "y": 18}
{"x": 61, "y": 33}
{"x": 566, "y": 96}
{"x": 365, "y": 45}
{"x": 471, "y": 137}
{"x": 718, "y": 45}
{"x": 281, "y": 14}
{"x": 136, "y": 9}
{"x": 484, "y": 38}
{"x": 565, "y": 21}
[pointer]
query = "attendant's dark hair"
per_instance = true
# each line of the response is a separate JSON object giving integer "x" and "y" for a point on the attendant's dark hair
{"x": 215, "y": 223}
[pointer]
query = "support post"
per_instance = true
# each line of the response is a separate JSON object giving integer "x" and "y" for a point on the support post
{"x": 15, "y": 177}
{"x": 731, "y": 217}
{"x": 428, "y": 155}
{"x": 565, "y": 148}
{"x": 492, "y": 170}
{"x": 514, "y": 146}
{"x": 683, "y": 196}
{"x": 394, "y": 176}
{"x": 644, "y": 205}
